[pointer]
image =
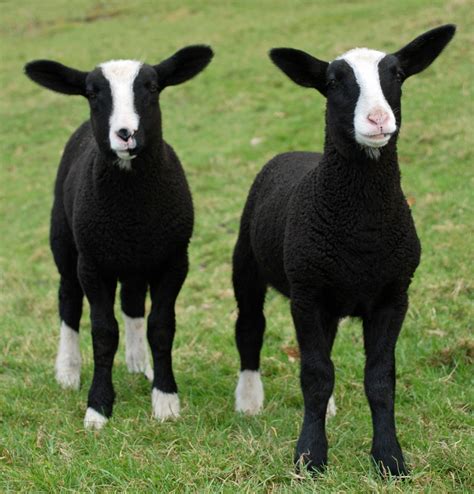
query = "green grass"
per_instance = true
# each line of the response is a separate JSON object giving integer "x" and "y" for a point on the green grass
{"x": 211, "y": 122}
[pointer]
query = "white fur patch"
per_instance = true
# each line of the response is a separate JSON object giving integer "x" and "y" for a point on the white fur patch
{"x": 364, "y": 63}
{"x": 136, "y": 347}
{"x": 121, "y": 74}
{"x": 124, "y": 164}
{"x": 68, "y": 360}
{"x": 331, "y": 409}
{"x": 94, "y": 420}
{"x": 164, "y": 405}
{"x": 373, "y": 153}
{"x": 249, "y": 393}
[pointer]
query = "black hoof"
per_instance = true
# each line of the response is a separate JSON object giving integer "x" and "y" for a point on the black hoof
{"x": 390, "y": 463}
{"x": 313, "y": 463}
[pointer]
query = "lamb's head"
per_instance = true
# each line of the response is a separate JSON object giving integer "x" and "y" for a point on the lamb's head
{"x": 123, "y": 95}
{"x": 363, "y": 87}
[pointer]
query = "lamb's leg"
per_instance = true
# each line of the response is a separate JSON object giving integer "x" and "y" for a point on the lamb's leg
{"x": 161, "y": 328}
{"x": 100, "y": 292}
{"x": 133, "y": 296}
{"x": 250, "y": 292}
{"x": 317, "y": 377}
{"x": 381, "y": 331}
{"x": 330, "y": 329}
{"x": 68, "y": 360}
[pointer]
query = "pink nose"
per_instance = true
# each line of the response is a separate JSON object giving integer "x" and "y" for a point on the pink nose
{"x": 378, "y": 117}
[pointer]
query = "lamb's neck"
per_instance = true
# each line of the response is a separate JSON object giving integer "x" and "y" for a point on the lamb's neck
{"x": 145, "y": 168}
{"x": 356, "y": 175}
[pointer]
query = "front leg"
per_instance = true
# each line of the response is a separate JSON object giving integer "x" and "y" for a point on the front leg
{"x": 161, "y": 328}
{"x": 317, "y": 376}
{"x": 100, "y": 292}
{"x": 381, "y": 330}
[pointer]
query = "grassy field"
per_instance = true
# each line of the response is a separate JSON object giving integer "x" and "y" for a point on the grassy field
{"x": 225, "y": 125}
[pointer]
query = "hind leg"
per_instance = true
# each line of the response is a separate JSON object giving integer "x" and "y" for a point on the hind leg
{"x": 68, "y": 360}
{"x": 250, "y": 292}
{"x": 330, "y": 333}
{"x": 133, "y": 296}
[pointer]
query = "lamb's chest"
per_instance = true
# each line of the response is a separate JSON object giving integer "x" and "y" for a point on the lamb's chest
{"x": 121, "y": 242}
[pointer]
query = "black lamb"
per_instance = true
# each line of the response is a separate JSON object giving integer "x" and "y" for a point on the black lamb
{"x": 334, "y": 233}
{"x": 122, "y": 212}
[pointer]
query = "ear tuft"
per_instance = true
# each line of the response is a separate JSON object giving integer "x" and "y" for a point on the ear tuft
{"x": 422, "y": 51}
{"x": 57, "y": 77}
{"x": 301, "y": 68}
{"x": 183, "y": 65}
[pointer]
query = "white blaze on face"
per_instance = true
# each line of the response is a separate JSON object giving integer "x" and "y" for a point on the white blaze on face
{"x": 374, "y": 121}
{"x": 121, "y": 74}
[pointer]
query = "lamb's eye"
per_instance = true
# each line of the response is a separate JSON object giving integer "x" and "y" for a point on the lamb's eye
{"x": 152, "y": 87}
{"x": 331, "y": 84}
{"x": 397, "y": 74}
{"x": 91, "y": 94}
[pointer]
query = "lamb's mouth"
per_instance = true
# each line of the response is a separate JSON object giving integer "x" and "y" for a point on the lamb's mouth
{"x": 377, "y": 137}
{"x": 374, "y": 140}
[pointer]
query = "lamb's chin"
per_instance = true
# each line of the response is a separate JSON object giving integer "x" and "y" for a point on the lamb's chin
{"x": 123, "y": 155}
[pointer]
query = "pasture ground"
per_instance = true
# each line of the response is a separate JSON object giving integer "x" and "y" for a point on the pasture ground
{"x": 225, "y": 125}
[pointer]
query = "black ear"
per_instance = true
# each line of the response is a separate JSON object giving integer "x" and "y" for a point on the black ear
{"x": 421, "y": 52}
{"x": 57, "y": 77}
{"x": 301, "y": 67}
{"x": 183, "y": 65}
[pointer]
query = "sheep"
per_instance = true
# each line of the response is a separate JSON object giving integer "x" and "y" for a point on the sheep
{"x": 334, "y": 233}
{"x": 122, "y": 212}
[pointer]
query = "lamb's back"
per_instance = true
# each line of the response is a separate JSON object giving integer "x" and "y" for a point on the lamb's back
{"x": 266, "y": 211}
